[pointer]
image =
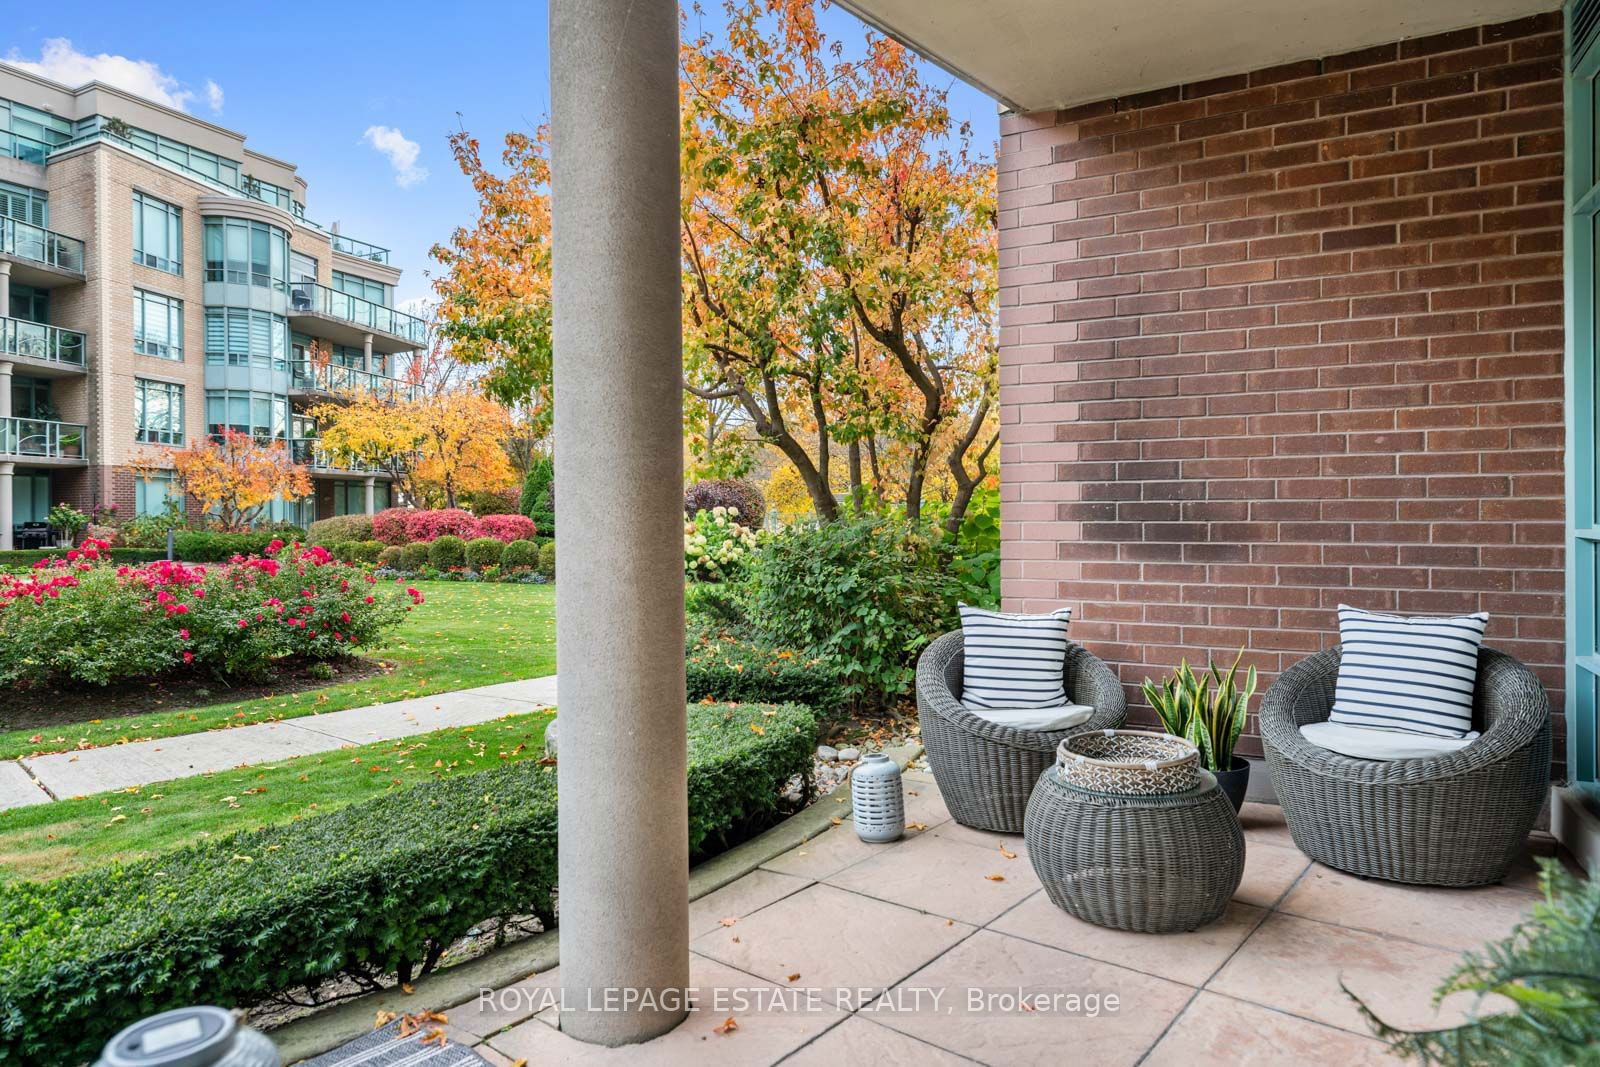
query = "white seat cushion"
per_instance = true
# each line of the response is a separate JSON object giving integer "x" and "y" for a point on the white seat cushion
{"x": 1013, "y": 661}
{"x": 1407, "y": 673}
{"x": 1043, "y": 720}
{"x": 1365, "y": 742}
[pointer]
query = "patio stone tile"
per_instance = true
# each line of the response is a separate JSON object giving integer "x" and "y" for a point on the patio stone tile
{"x": 1190, "y": 957}
{"x": 945, "y": 877}
{"x": 988, "y": 840}
{"x": 1217, "y": 1029}
{"x": 990, "y": 963}
{"x": 924, "y": 803}
{"x": 761, "y": 1038}
{"x": 17, "y": 787}
{"x": 1296, "y": 965}
{"x": 1268, "y": 872}
{"x": 1264, "y": 825}
{"x": 1524, "y": 873}
{"x": 827, "y": 854}
{"x": 832, "y": 939}
{"x": 1448, "y": 918}
{"x": 857, "y": 1040}
{"x": 510, "y": 1004}
{"x": 493, "y": 1058}
{"x": 741, "y": 897}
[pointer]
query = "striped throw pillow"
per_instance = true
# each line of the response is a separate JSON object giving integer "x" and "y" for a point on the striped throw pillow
{"x": 1013, "y": 661}
{"x": 1413, "y": 674}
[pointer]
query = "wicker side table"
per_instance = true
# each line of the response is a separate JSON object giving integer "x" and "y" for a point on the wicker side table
{"x": 1150, "y": 864}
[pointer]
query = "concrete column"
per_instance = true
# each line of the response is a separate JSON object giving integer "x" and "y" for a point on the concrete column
{"x": 372, "y": 495}
{"x": 5, "y": 389}
{"x": 7, "y": 519}
{"x": 5, "y": 290}
{"x": 366, "y": 353}
{"x": 619, "y": 620}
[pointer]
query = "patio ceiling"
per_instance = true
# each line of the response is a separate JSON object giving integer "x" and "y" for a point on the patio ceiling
{"x": 1033, "y": 55}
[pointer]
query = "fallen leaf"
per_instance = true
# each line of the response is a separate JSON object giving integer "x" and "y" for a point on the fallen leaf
{"x": 995, "y": 877}
{"x": 1007, "y": 853}
{"x": 795, "y": 977}
{"x": 728, "y": 1026}
{"x": 836, "y": 821}
{"x": 433, "y": 1037}
{"x": 405, "y": 987}
{"x": 382, "y": 1019}
{"x": 916, "y": 826}
{"x": 729, "y": 921}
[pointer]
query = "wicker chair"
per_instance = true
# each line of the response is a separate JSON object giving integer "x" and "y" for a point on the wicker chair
{"x": 1455, "y": 820}
{"x": 986, "y": 772}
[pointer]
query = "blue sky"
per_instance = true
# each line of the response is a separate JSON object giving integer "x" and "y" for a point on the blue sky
{"x": 306, "y": 81}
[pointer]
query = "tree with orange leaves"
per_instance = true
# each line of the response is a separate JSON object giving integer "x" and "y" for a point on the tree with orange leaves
{"x": 232, "y": 476}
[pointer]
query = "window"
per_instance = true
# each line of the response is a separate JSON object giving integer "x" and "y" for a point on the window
{"x": 365, "y": 288}
{"x": 25, "y": 204}
{"x": 246, "y": 253}
{"x": 196, "y": 161}
{"x": 157, "y": 234}
{"x": 350, "y": 498}
{"x": 151, "y": 493}
{"x": 30, "y": 497}
{"x": 28, "y": 303}
{"x": 302, "y": 268}
{"x": 264, "y": 416}
{"x": 242, "y": 337}
{"x": 157, "y": 325}
{"x": 157, "y": 412}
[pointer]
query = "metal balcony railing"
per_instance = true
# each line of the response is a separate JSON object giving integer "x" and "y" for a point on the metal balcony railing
{"x": 37, "y": 340}
{"x": 308, "y": 452}
{"x": 310, "y": 297}
{"x": 337, "y": 378}
{"x": 43, "y": 439}
{"x": 27, "y": 241}
{"x": 360, "y": 249}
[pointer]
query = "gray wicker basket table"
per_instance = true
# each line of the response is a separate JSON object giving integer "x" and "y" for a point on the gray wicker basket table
{"x": 1151, "y": 864}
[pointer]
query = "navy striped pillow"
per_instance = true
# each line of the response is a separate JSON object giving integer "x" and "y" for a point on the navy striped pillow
{"x": 1412, "y": 674}
{"x": 1013, "y": 661}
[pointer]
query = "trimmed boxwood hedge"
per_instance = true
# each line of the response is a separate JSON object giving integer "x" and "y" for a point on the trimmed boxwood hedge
{"x": 726, "y": 668}
{"x": 204, "y": 546}
{"x": 378, "y": 887}
{"x": 27, "y": 557}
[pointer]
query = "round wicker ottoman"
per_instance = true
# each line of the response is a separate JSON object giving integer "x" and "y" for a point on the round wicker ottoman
{"x": 1151, "y": 864}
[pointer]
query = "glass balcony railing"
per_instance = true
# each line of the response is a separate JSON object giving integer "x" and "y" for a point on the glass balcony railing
{"x": 337, "y": 378}
{"x": 360, "y": 249}
{"x": 312, "y": 298}
{"x": 27, "y": 241}
{"x": 26, "y": 149}
{"x": 36, "y": 340}
{"x": 42, "y": 439}
{"x": 308, "y": 452}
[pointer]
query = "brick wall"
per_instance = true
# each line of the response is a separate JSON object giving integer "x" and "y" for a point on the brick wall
{"x": 1287, "y": 339}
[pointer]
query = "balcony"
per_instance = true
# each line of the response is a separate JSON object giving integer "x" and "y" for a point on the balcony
{"x": 40, "y": 257}
{"x": 47, "y": 350}
{"x": 346, "y": 319}
{"x": 308, "y": 378}
{"x": 307, "y": 452}
{"x": 360, "y": 249}
{"x": 43, "y": 441}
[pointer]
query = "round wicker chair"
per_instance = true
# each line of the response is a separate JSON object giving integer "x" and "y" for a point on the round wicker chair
{"x": 986, "y": 772}
{"x": 1453, "y": 820}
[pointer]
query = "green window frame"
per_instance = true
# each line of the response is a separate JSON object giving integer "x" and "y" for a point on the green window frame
{"x": 157, "y": 325}
{"x": 157, "y": 234}
{"x": 157, "y": 412}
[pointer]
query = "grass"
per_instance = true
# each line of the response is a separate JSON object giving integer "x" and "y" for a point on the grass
{"x": 50, "y": 840}
{"x": 465, "y": 635}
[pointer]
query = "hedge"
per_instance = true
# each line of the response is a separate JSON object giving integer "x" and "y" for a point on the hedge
{"x": 27, "y": 557}
{"x": 520, "y": 554}
{"x": 547, "y": 559}
{"x": 378, "y": 887}
{"x": 484, "y": 552}
{"x": 447, "y": 551}
{"x": 328, "y": 532}
{"x": 203, "y": 546}
{"x": 414, "y": 557}
{"x": 726, "y": 668}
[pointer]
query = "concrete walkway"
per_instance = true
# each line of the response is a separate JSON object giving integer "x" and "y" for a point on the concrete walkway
{"x": 63, "y": 775}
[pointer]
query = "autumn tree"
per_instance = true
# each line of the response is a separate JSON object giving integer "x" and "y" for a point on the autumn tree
{"x": 232, "y": 476}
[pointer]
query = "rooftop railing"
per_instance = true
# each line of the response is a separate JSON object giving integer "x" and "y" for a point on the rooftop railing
{"x": 42, "y": 439}
{"x": 310, "y": 297}
{"x": 27, "y": 241}
{"x": 37, "y": 340}
{"x": 360, "y": 249}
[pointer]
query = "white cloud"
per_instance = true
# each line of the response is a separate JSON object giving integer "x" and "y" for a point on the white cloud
{"x": 402, "y": 154}
{"x": 60, "y": 62}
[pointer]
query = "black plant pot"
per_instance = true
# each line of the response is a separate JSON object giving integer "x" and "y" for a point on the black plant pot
{"x": 1234, "y": 781}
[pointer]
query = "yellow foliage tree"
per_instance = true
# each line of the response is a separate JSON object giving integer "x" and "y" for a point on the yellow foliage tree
{"x": 233, "y": 476}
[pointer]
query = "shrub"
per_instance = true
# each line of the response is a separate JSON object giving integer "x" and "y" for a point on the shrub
{"x": 150, "y": 531}
{"x": 507, "y": 528}
{"x": 715, "y": 545}
{"x": 719, "y": 667}
{"x": 389, "y": 556}
{"x": 21, "y": 558}
{"x": 414, "y": 557}
{"x": 520, "y": 554}
{"x": 431, "y": 525}
{"x": 865, "y": 595}
{"x": 727, "y": 493}
{"x": 717, "y": 605}
{"x": 340, "y": 528}
{"x": 484, "y": 552}
{"x": 345, "y": 551}
{"x": 539, "y": 494}
{"x": 84, "y": 620}
{"x": 389, "y": 525}
{"x": 378, "y": 887}
{"x": 205, "y": 546}
{"x": 547, "y": 559}
{"x": 368, "y": 551}
{"x": 483, "y": 502}
{"x": 448, "y": 551}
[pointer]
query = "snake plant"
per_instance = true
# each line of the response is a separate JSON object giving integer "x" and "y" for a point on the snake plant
{"x": 1210, "y": 719}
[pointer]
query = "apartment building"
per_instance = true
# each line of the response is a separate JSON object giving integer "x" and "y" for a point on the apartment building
{"x": 160, "y": 281}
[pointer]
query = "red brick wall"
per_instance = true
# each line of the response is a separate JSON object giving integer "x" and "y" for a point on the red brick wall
{"x": 1288, "y": 339}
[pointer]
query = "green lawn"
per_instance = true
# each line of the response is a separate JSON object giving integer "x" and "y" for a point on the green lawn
{"x": 466, "y": 634}
{"x": 49, "y": 840}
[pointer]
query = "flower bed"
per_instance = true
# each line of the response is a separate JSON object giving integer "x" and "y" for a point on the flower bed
{"x": 376, "y": 888}
{"x": 82, "y": 619}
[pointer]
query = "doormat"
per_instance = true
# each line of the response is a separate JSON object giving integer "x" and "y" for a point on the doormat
{"x": 384, "y": 1047}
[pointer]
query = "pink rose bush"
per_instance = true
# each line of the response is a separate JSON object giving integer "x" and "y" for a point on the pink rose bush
{"x": 80, "y": 619}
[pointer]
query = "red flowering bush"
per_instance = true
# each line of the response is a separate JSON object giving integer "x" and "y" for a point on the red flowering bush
{"x": 389, "y": 526}
{"x": 79, "y": 619}
{"x": 432, "y": 525}
{"x": 507, "y": 528}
